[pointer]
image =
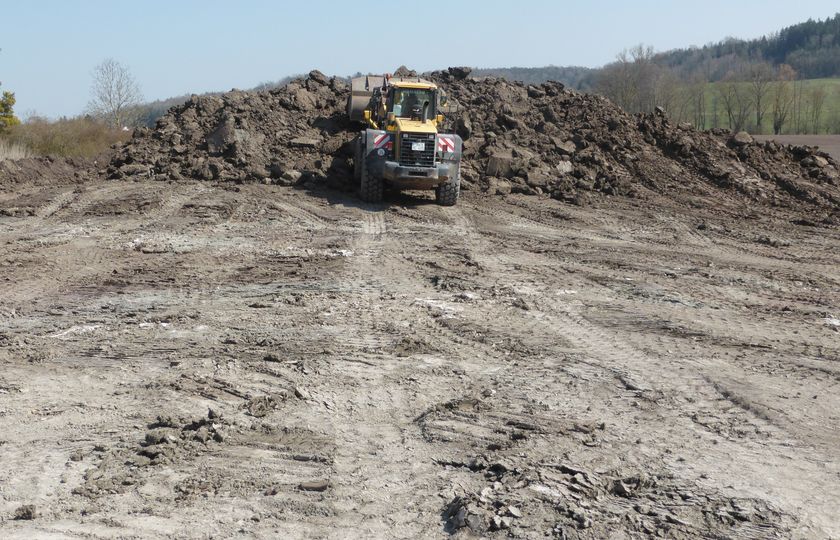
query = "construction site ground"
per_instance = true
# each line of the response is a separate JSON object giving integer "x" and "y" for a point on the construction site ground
{"x": 206, "y": 360}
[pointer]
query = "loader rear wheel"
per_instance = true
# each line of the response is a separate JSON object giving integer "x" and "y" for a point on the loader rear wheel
{"x": 447, "y": 193}
{"x": 357, "y": 159}
{"x": 371, "y": 187}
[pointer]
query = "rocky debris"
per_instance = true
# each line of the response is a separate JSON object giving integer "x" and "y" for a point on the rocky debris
{"x": 167, "y": 439}
{"x": 460, "y": 513}
{"x": 295, "y": 132}
{"x": 260, "y": 406}
{"x": 532, "y": 139}
{"x": 26, "y": 512}
{"x": 578, "y": 503}
{"x": 409, "y": 345}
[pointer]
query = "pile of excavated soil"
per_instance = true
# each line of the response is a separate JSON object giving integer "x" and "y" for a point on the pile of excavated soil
{"x": 517, "y": 138}
{"x": 546, "y": 139}
{"x": 286, "y": 135}
{"x": 46, "y": 171}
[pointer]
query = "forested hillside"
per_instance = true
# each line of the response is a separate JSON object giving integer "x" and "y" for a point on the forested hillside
{"x": 811, "y": 48}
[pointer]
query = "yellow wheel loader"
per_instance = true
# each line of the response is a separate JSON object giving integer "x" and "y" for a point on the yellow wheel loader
{"x": 400, "y": 144}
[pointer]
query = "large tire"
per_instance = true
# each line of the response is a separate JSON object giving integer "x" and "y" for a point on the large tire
{"x": 370, "y": 187}
{"x": 357, "y": 159}
{"x": 447, "y": 193}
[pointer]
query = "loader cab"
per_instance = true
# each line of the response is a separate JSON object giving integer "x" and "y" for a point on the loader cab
{"x": 413, "y": 103}
{"x": 411, "y": 106}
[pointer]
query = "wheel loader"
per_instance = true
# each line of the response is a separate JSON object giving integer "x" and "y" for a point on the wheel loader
{"x": 400, "y": 145}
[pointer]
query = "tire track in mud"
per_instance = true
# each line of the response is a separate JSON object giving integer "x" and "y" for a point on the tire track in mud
{"x": 61, "y": 201}
{"x": 374, "y": 447}
{"x": 37, "y": 225}
{"x": 400, "y": 299}
{"x": 635, "y": 372}
{"x": 685, "y": 392}
{"x": 73, "y": 267}
{"x": 519, "y": 373}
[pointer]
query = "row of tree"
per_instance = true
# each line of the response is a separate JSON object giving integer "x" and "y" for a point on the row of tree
{"x": 754, "y": 96}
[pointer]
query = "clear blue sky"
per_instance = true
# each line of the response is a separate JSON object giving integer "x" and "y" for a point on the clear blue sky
{"x": 49, "y": 47}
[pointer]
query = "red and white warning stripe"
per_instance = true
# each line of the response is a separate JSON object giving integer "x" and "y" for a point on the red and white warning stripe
{"x": 446, "y": 144}
{"x": 381, "y": 140}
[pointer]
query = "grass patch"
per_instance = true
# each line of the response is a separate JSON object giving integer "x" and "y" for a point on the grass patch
{"x": 10, "y": 150}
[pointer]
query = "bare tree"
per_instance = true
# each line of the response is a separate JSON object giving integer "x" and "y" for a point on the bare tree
{"x": 834, "y": 126}
{"x": 760, "y": 77}
{"x": 632, "y": 80}
{"x": 645, "y": 76}
{"x": 817, "y": 96}
{"x": 668, "y": 92}
{"x": 115, "y": 92}
{"x": 736, "y": 101}
{"x": 616, "y": 81}
{"x": 782, "y": 97}
{"x": 697, "y": 91}
{"x": 798, "y": 106}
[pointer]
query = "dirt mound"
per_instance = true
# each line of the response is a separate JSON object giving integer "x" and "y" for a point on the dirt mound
{"x": 46, "y": 170}
{"x": 518, "y": 138}
{"x": 547, "y": 139}
{"x": 286, "y": 135}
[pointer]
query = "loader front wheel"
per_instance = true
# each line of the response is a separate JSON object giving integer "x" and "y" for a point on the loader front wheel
{"x": 447, "y": 193}
{"x": 370, "y": 187}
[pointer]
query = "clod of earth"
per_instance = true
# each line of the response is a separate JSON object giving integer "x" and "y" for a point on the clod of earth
{"x": 26, "y": 512}
{"x": 315, "y": 485}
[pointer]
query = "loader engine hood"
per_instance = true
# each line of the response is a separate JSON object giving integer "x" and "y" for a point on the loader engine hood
{"x": 406, "y": 125}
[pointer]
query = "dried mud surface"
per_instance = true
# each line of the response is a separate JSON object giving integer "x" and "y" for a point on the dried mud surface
{"x": 199, "y": 359}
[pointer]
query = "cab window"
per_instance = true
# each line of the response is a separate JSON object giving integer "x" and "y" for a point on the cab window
{"x": 411, "y": 102}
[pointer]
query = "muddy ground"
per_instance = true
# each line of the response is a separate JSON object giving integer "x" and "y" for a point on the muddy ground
{"x": 199, "y": 360}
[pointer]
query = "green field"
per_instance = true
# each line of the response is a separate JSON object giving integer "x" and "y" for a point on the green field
{"x": 830, "y": 118}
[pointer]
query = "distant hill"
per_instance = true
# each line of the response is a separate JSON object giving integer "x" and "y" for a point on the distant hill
{"x": 812, "y": 48}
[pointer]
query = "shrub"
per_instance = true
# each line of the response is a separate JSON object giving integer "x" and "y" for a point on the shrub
{"x": 77, "y": 137}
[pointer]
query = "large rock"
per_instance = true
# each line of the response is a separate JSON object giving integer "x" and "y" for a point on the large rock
{"x": 305, "y": 100}
{"x": 566, "y": 148}
{"x": 306, "y": 142}
{"x": 815, "y": 161}
{"x": 500, "y": 165}
{"x": 498, "y": 186}
{"x": 541, "y": 178}
{"x": 565, "y": 167}
{"x": 460, "y": 73}
{"x": 318, "y": 77}
{"x": 220, "y": 139}
{"x": 742, "y": 138}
